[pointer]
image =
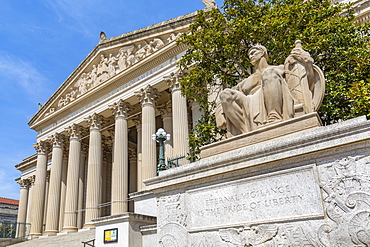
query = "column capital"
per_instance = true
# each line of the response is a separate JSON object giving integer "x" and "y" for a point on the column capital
{"x": 84, "y": 148}
{"x": 132, "y": 154}
{"x": 95, "y": 121}
{"x": 147, "y": 96}
{"x": 32, "y": 179}
{"x": 57, "y": 140}
{"x": 165, "y": 110}
{"x": 121, "y": 109}
{"x": 74, "y": 132}
{"x": 42, "y": 147}
{"x": 137, "y": 121}
{"x": 173, "y": 80}
{"x": 24, "y": 183}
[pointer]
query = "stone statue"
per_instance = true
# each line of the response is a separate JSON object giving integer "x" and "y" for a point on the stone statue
{"x": 209, "y": 4}
{"x": 272, "y": 93}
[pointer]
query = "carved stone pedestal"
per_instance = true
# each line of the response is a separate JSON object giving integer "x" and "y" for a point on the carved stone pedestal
{"x": 306, "y": 189}
{"x": 262, "y": 134}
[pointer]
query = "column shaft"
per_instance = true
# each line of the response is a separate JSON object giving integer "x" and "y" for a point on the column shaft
{"x": 71, "y": 204}
{"x": 63, "y": 193}
{"x": 53, "y": 206}
{"x": 180, "y": 117}
{"x": 120, "y": 164}
{"x": 148, "y": 97}
{"x": 38, "y": 198}
{"x": 22, "y": 210}
{"x": 93, "y": 172}
{"x": 133, "y": 175}
{"x": 29, "y": 206}
{"x": 81, "y": 182}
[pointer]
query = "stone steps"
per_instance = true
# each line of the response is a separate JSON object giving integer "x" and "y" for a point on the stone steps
{"x": 71, "y": 240}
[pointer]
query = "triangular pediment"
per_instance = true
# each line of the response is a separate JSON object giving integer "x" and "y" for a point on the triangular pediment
{"x": 110, "y": 59}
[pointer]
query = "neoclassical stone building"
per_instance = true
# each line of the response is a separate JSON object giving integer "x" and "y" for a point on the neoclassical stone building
{"x": 94, "y": 144}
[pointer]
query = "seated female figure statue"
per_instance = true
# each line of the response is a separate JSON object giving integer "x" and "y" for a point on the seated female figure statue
{"x": 265, "y": 96}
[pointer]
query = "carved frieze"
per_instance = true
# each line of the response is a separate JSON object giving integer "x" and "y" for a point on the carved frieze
{"x": 109, "y": 66}
{"x": 347, "y": 203}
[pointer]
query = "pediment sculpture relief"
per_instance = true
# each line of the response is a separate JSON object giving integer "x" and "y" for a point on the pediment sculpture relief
{"x": 272, "y": 93}
{"x": 109, "y": 66}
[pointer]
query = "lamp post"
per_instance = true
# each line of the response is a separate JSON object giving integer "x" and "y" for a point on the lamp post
{"x": 161, "y": 137}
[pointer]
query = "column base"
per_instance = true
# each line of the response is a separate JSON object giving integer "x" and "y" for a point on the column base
{"x": 35, "y": 235}
{"x": 69, "y": 229}
{"x": 89, "y": 225}
{"x": 50, "y": 233}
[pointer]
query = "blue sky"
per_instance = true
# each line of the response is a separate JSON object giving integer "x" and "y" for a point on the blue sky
{"x": 42, "y": 42}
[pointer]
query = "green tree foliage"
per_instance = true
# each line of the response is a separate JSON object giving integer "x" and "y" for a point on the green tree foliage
{"x": 218, "y": 42}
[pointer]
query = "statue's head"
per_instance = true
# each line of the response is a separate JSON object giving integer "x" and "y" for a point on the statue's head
{"x": 256, "y": 52}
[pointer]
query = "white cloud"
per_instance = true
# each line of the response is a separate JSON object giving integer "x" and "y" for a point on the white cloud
{"x": 77, "y": 15}
{"x": 14, "y": 70}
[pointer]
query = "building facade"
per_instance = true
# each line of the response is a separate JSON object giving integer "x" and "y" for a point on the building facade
{"x": 94, "y": 143}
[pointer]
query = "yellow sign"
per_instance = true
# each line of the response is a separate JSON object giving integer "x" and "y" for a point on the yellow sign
{"x": 111, "y": 235}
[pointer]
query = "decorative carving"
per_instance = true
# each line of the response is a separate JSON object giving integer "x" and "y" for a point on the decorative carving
{"x": 271, "y": 235}
{"x": 24, "y": 183}
{"x": 173, "y": 80}
{"x": 74, "y": 132}
{"x": 173, "y": 235}
{"x": 347, "y": 204}
{"x": 69, "y": 97}
{"x": 266, "y": 96}
{"x": 41, "y": 147}
{"x": 210, "y": 4}
{"x": 110, "y": 66}
{"x": 132, "y": 154}
{"x": 165, "y": 109}
{"x": 95, "y": 121}
{"x": 57, "y": 140}
{"x": 173, "y": 37}
{"x": 260, "y": 235}
{"x": 51, "y": 111}
{"x": 172, "y": 209}
{"x": 32, "y": 180}
{"x": 121, "y": 109}
{"x": 137, "y": 121}
{"x": 147, "y": 95}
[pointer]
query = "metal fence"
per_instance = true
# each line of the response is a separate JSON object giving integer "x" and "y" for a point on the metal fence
{"x": 176, "y": 162}
{"x": 10, "y": 229}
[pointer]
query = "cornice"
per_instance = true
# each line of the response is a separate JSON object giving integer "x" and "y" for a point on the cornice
{"x": 27, "y": 162}
{"x": 172, "y": 24}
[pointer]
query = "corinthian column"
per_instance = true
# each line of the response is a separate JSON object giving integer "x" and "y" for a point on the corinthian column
{"x": 147, "y": 97}
{"x": 166, "y": 113}
{"x": 139, "y": 181}
{"x": 22, "y": 211}
{"x": 53, "y": 206}
{"x": 38, "y": 198}
{"x": 81, "y": 185}
{"x": 71, "y": 203}
{"x": 179, "y": 115}
{"x": 30, "y": 194}
{"x": 121, "y": 110}
{"x": 94, "y": 170}
{"x": 132, "y": 180}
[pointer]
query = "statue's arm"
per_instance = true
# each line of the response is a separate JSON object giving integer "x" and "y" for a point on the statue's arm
{"x": 305, "y": 58}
